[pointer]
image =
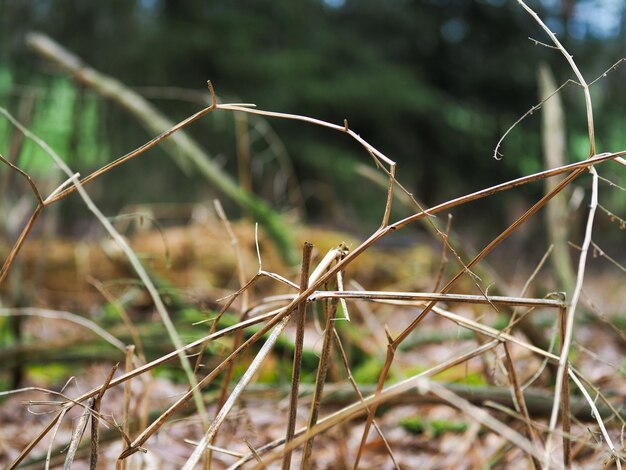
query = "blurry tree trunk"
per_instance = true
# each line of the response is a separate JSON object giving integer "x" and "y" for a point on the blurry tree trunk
{"x": 556, "y": 215}
{"x": 182, "y": 148}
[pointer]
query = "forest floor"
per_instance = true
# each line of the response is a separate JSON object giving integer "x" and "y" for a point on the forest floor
{"x": 195, "y": 266}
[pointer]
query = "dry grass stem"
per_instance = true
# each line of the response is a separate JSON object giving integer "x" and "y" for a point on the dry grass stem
{"x": 574, "y": 67}
{"x": 377, "y": 398}
{"x": 565, "y": 399}
{"x": 357, "y": 391}
{"x": 79, "y": 430}
{"x": 598, "y": 416}
{"x": 66, "y": 316}
{"x": 97, "y": 400}
{"x": 521, "y": 405}
{"x": 444, "y": 257}
{"x": 245, "y": 300}
{"x": 196, "y": 455}
{"x": 479, "y": 415}
{"x": 128, "y": 323}
{"x": 257, "y": 457}
{"x": 297, "y": 354}
{"x": 330, "y": 308}
{"x": 569, "y": 324}
{"x": 130, "y": 352}
{"x": 419, "y": 298}
{"x": 55, "y": 430}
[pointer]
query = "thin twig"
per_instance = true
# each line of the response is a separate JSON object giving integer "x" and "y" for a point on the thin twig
{"x": 574, "y": 67}
{"x": 234, "y": 241}
{"x": 521, "y": 404}
{"x": 66, "y": 316}
{"x": 569, "y": 326}
{"x": 128, "y": 323}
{"x": 610, "y": 69}
{"x": 55, "y": 430}
{"x": 357, "y": 391}
{"x": 297, "y": 354}
{"x": 241, "y": 385}
{"x": 444, "y": 259}
{"x": 355, "y": 409}
{"x": 320, "y": 379}
{"x": 565, "y": 399}
{"x": 79, "y": 430}
{"x": 93, "y": 459}
{"x": 402, "y": 336}
{"x": 14, "y": 167}
{"x": 496, "y": 154}
{"x": 130, "y": 350}
{"x": 479, "y": 415}
{"x": 530, "y": 279}
{"x": 598, "y": 416}
{"x": 234, "y": 396}
{"x": 422, "y": 297}
{"x": 257, "y": 457}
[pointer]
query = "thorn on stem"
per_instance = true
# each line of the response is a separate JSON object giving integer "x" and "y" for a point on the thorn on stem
{"x": 388, "y": 333}
{"x": 213, "y": 97}
{"x": 345, "y": 126}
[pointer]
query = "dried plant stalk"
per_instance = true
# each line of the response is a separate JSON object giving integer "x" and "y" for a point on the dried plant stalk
{"x": 95, "y": 411}
{"x": 79, "y": 430}
{"x": 320, "y": 379}
{"x": 297, "y": 355}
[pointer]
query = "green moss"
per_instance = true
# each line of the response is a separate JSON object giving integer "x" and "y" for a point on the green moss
{"x": 52, "y": 373}
{"x": 414, "y": 424}
{"x": 435, "y": 427}
{"x": 369, "y": 371}
{"x": 457, "y": 375}
{"x": 453, "y": 375}
{"x": 173, "y": 374}
{"x": 440, "y": 426}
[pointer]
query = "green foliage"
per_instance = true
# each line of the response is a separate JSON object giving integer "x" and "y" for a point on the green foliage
{"x": 5, "y": 85}
{"x": 92, "y": 149}
{"x": 172, "y": 373}
{"x": 109, "y": 314}
{"x": 52, "y": 373}
{"x": 52, "y": 119}
{"x": 6, "y": 336}
{"x": 368, "y": 371}
{"x": 435, "y": 427}
{"x": 414, "y": 424}
{"x": 66, "y": 118}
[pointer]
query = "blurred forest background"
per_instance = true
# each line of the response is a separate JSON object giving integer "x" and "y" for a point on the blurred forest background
{"x": 432, "y": 84}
